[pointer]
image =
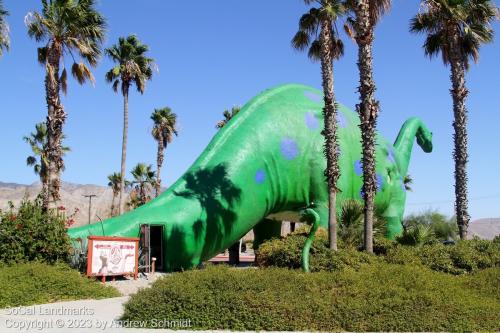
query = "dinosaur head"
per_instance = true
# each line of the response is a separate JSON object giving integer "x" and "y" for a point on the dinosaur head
{"x": 424, "y": 139}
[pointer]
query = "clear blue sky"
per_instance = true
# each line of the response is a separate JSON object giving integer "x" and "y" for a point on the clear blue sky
{"x": 215, "y": 54}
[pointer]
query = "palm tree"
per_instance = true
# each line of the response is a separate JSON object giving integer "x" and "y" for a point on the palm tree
{"x": 456, "y": 29}
{"x": 39, "y": 160}
{"x": 165, "y": 127}
{"x": 228, "y": 115}
{"x": 318, "y": 33}
{"x": 66, "y": 27}
{"x": 114, "y": 182}
{"x": 133, "y": 67}
{"x": 144, "y": 177}
{"x": 365, "y": 15}
{"x": 4, "y": 30}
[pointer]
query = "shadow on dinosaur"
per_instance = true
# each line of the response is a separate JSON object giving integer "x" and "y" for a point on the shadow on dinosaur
{"x": 262, "y": 168}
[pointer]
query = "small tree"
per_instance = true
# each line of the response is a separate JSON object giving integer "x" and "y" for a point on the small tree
{"x": 228, "y": 115}
{"x": 114, "y": 183}
{"x": 144, "y": 178}
{"x": 39, "y": 160}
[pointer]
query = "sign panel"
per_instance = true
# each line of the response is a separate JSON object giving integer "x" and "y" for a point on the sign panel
{"x": 109, "y": 256}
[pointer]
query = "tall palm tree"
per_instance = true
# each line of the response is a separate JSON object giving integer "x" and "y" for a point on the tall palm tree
{"x": 133, "y": 67}
{"x": 165, "y": 127}
{"x": 39, "y": 160}
{"x": 365, "y": 14}
{"x": 115, "y": 180}
{"x": 318, "y": 33}
{"x": 4, "y": 30}
{"x": 66, "y": 27}
{"x": 228, "y": 115}
{"x": 456, "y": 29}
{"x": 144, "y": 177}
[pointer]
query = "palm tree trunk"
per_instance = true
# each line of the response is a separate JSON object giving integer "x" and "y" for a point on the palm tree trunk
{"x": 45, "y": 193}
{"x": 124, "y": 147}
{"x": 159, "y": 163}
{"x": 113, "y": 204}
{"x": 367, "y": 109}
{"x": 55, "y": 120}
{"x": 330, "y": 132}
{"x": 459, "y": 94}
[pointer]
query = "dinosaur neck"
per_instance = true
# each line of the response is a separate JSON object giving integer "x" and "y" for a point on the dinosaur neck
{"x": 411, "y": 129}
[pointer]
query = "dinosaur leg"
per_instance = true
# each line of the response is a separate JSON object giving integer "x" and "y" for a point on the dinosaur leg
{"x": 265, "y": 230}
{"x": 394, "y": 217}
{"x": 310, "y": 217}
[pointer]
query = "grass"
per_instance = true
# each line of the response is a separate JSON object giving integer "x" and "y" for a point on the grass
{"x": 38, "y": 283}
{"x": 376, "y": 297}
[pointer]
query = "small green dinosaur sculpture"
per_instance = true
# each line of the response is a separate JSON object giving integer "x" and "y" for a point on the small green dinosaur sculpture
{"x": 263, "y": 166}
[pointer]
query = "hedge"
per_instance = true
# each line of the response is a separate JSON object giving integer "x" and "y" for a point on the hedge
{"x": 463, "y": 257}
{"x": 38, "y": 283}
{"x": 376, "y": 297}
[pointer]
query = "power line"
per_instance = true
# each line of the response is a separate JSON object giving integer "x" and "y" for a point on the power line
{"x": 493, "y": 196}
{"x": 90, "y": 196}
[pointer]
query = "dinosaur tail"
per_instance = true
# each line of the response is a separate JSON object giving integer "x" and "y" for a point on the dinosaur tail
{"x": 413, "y": 127}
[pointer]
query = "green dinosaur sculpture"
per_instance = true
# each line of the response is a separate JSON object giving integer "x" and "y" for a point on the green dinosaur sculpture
{"x": 265, "y": 166}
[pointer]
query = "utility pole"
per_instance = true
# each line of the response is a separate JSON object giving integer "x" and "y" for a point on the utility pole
{"x": 90, "y": 196}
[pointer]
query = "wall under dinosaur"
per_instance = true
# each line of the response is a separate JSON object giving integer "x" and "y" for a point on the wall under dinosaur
{"x": 267, "y": 165}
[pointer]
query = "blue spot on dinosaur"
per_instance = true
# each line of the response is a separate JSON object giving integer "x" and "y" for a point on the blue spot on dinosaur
{"x": 289, "y": 148}
{"x": 358, "y": 168}
{"x": 311, "y": 120}
{"x": 260, "y": 176}
{"x": 380, "y": 181}
{"x": 342, "y": 120}
{"x": 390, "y": 156}
{"x": 313, "y": 96}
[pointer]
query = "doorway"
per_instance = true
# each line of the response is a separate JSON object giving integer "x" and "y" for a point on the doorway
{"x": 152, "y": 246}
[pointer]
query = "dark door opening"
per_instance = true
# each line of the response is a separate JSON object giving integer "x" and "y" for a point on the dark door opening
{"x": 151, "y": 247}
{"x": 156, "y": 237}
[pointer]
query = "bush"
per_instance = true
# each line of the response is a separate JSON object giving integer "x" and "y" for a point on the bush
{"x": 286, "y": 252}
{"x": 463, "y": 257}
{"x": 466, "y": 256}
{"x": 427, "y": 227}
{"x": 37, "y": 283}
{"x": 31, "y": 234}
{"x": 378, "y": 297}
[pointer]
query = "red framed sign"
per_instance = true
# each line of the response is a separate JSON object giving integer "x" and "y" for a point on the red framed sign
{"x": 112, "y": 256}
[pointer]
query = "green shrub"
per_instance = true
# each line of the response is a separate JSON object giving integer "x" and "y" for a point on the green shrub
{"x": 463, "y": 257}
{"x": 377, "y": 297}
{"x": 286, "y": 252}
{"x": 439, "y": 226}
{"x": 31, "y": 234}
{"x": 466, "y": 256}
{"x": 37, "y": 283}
